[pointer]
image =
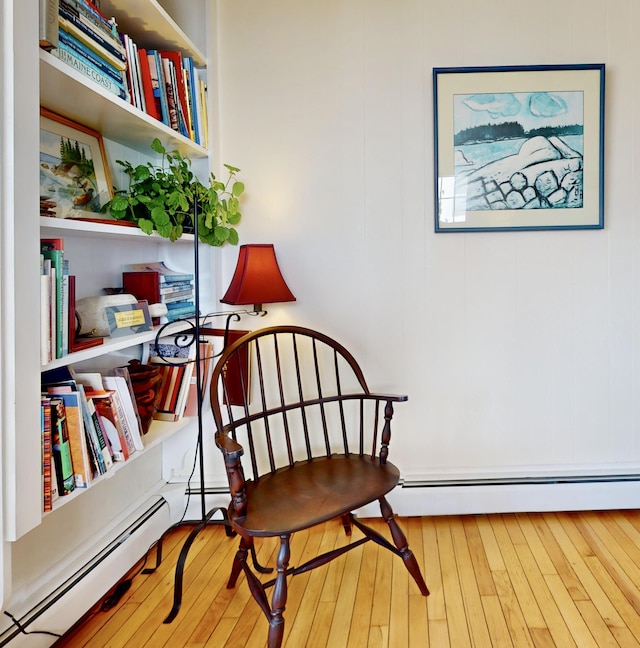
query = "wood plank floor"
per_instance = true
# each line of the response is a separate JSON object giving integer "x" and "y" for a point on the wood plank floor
{"x": 536, "y": 580}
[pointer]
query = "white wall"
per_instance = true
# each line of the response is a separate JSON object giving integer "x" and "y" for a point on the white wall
{"x": 520, "y": 351}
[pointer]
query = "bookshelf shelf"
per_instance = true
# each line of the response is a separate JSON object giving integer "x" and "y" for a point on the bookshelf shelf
{"x": 159, "y": 432}
{"x": 147, "y": 22}
{"x": 107, "y": 229}
{"x": 69, "y": 93}
{"x": 111, "y": 345}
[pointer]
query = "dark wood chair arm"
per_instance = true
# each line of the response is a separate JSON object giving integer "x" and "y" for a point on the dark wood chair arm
{"x": 394, "y": 398}
{"x": 228, "y": 446}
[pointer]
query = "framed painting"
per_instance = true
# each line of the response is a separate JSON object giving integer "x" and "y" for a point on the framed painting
{"x": 74, "y": 175}
{"x": 519, "y": 148}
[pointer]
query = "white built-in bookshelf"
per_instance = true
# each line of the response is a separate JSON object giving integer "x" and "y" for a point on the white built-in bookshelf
{"x": 78, "y": 524}
{"x": 66, "y": 92}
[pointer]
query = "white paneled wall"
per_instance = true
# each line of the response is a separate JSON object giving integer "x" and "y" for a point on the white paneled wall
{"x": 520, "y": 352}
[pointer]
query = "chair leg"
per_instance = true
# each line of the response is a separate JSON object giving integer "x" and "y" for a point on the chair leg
{"x": 346, "y": 523}
{"x": 239, "y": 560}
{"x": 401, "y": 543}
{"x": 279, "y": 598}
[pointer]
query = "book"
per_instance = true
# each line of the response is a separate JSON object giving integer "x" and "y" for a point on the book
{"x": 204, "y": 119}
{"x": 167, "y": 290}
{"x": 178, "y": 88}
{"x": 106, "y": 408}
{"x": 147, "y": 86}
{"x": 47, "y": 458}
{"x": 176, "y": 362}
{"x": 65, "y": 307}
{"x": 48, "y": 23}
{"x": 181, "y": 313}
{"x": 80, "y": 459}
{"x": 185, "y": 77}
{"x": 56, "y": 257}
{"x": 173, "y": 399}
{"x": 155, "y": 84}
{"x": 60, "y": 447}
{"x": 102, "y": 462}
{"x": 178, "y": 297}
{"x": 158, "y": 82}
{"x": 166, "y": 274}
{"x": 206, "y": 357}
{"x": 84, "y": 67}
{"x": 70, "y": 43}
{"x": 133, "y": 73}
{"x": 171, "y": 93}
{"x": 118, "y": 61}
{"x": 124, "y": 406}
{"x": 90, "y": 383}
{"x": 45, "y": 312}
{"x": 130, "y": 405}
{"x": 92, "y": 13}
{"x": 192, "y": 96}
{"x": 106, "y": 39}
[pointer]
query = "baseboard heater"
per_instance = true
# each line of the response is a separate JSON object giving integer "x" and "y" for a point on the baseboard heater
{"x": 22, "y": 623}
{"x": 519, "y": 481}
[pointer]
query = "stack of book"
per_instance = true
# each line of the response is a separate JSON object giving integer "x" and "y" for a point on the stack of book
{"x": 89, "y": 42}
{"x": 158, "y": 284}
{"x": 58, "y": 305}
{"x": 168, "y": 87}
{"x": 88, "y": 422}
{"x": 162, "y": 83}
{"x": 178, "y": 396}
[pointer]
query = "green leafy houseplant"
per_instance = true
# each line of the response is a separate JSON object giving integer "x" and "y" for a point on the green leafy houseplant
{"x": 163, "y": 198}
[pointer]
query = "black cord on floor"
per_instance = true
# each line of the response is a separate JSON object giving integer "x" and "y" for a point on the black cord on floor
{"x": 23, "y": 630}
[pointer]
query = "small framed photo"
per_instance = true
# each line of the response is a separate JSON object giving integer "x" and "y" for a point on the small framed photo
{"x": 129, "y": 319}
{"x": 519, "y": 148}
{"x": 74, "y": 174}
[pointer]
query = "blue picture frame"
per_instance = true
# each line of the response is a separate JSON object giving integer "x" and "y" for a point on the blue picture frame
{"x": 519, "y": 147}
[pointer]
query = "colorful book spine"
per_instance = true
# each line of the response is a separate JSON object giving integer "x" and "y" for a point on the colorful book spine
{"x": 157, "y": 81}
{"x": 192, "y": 90}
{"x": 45, "y": 425}
{"x": 85, "y": 68}
{"x": 183, "y": 304}
{"x": 60, "y": 447}
{"x": 76, "y": 46}
{"x": 57, "y": 258}
{"x": 147, "y": 86}
{"x": 99, "y": 36}
{"x": 118, "y": 61}
{"x": 88, "y": 9}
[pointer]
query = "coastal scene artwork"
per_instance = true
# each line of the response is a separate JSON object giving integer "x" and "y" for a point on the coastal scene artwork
{"x": 523, "y": 152}
{"x": 73, "y": 177}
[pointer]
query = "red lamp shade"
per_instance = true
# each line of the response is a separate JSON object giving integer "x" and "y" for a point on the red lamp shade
{"x": 257, "y": 278}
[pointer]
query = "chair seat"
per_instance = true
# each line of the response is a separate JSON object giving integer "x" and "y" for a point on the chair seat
{"x": 312, "y": 492}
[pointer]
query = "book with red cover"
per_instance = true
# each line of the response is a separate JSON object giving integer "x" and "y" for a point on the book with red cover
{"x": 143, "y": 285}
{"x": 45, "y": 422}
{"x": 147, "y": 86}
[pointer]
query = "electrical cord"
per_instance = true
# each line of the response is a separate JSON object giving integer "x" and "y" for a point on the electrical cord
{"x": 24, "y": 631}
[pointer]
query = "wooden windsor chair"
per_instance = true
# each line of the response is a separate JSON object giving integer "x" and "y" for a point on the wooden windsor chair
{"x": 310, "y": 445}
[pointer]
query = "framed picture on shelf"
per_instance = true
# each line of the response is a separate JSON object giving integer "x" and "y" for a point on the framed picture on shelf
{"x": 74, "y": 174}
{"x": 519, "y": 148}
{"x": 128, "y": 319}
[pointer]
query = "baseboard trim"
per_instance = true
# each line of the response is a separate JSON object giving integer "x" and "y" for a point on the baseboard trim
{"x": 56, "y": 612}
{"x": 515, "y": 496}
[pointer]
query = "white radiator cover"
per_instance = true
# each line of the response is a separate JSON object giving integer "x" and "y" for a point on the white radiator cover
{"x": 54, "y": 607}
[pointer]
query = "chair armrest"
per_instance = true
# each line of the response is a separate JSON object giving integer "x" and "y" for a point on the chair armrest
{"x": 228, "y": 446}
{"x": 394, "y": 398}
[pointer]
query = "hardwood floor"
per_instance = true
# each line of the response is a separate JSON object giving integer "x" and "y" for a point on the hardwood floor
{"x": 538, "y": 580}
